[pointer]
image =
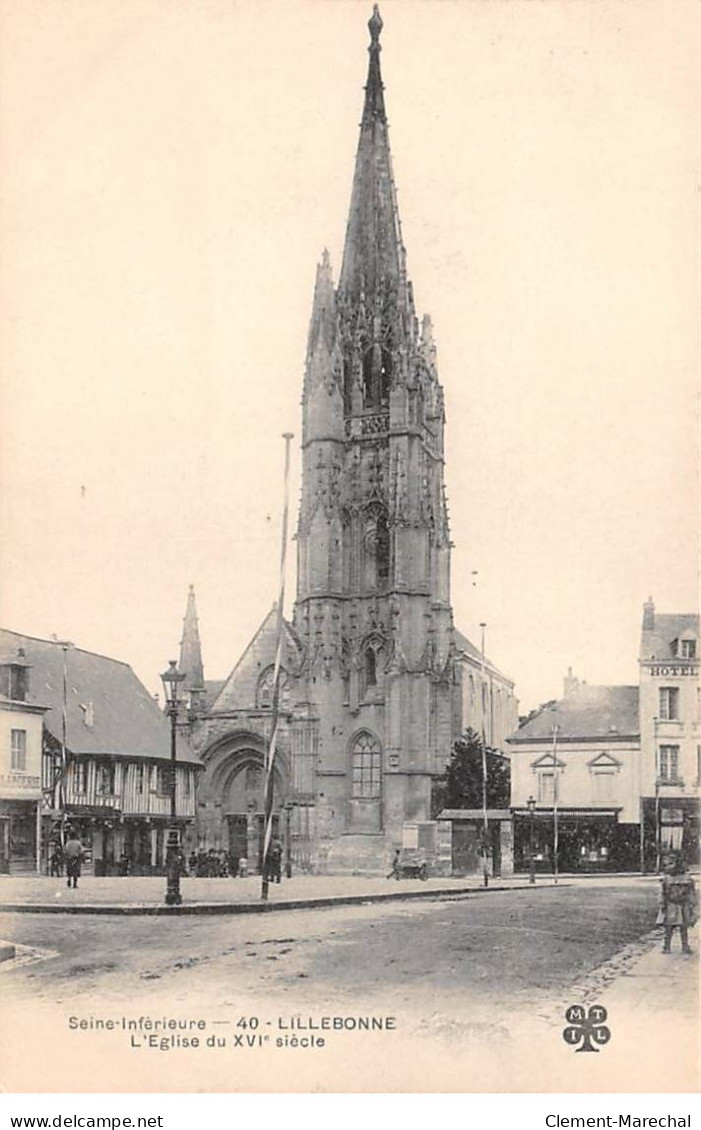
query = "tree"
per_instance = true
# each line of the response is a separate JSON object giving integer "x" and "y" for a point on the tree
{"x": 524, "y": 719}
{"x": 461, "y": 784}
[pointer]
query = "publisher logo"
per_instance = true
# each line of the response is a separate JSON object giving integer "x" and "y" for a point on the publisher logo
{"x": 586, "y": 1028}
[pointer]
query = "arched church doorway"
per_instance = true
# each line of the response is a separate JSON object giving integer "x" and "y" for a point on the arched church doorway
{"x": 243, "y": 807}
{"x": 235, "y": 783}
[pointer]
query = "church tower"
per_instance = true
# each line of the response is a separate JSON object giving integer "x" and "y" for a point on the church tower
{"x": 372, "y": 609}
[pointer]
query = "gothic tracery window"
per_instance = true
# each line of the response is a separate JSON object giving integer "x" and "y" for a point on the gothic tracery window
{"x": 347, "y": 384}
{"x": 265, "y": 688}
{"x": 368, "y": 379}
{"x": 373, "y": 666}
{"x": 377, "y": 550}
{"x": 382, "y": 550}
{"x": 366, "y": 767}
{"x": 377, "y": 377}
{"x": 370, "y": 667}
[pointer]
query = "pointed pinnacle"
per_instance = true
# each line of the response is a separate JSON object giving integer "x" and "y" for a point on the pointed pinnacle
{"x": 375, "y": 25}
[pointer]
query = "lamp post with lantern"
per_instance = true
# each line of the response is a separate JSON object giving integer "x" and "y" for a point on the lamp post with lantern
{"x": 530, "y": 804}
{"x": 171, "y": 679}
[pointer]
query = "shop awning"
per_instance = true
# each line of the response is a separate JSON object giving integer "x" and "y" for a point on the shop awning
{"x": 107, "y": 811}
{"x": 583, "y": 813}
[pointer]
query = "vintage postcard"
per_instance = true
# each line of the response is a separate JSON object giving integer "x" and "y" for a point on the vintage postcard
{"x": 349, "y": 635}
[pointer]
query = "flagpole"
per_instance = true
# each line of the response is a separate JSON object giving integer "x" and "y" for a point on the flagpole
{"x": 485, "y": 818}
{"x": 556, "y": 828}
{"x": 272, "y": 747}
{"x": 658, "y": 838}
{"x": 64, "y": 737}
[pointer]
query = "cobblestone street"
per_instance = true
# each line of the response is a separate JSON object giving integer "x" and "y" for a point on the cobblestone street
{"x": 479, "y": 980}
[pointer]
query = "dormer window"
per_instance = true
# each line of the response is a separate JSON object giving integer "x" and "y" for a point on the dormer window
{"x": 88, "y": 714}
{"x": 14, "y": 677}
{"x": 687, "y": 649}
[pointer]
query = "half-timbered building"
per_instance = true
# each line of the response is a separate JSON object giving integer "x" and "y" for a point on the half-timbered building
{"x": 106, "y": 757}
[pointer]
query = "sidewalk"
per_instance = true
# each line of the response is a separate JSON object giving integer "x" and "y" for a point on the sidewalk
{"x": 146, "y": 895}
{"x": 651, "y": 984}
{"x": 652, "y": 1004}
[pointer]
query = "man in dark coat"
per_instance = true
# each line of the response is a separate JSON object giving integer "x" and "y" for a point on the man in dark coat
{"x": 73, "y": 855}
{"x": 275, "y": 860}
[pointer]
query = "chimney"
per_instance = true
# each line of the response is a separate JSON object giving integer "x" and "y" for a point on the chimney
{"x": 571, "y": 683}
{"x": 649, "y": 615}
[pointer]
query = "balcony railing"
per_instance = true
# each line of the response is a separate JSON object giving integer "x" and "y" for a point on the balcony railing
{"x": 367, "y": 427}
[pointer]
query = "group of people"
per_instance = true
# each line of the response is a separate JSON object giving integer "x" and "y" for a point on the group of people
{"x": 214, "y": 864}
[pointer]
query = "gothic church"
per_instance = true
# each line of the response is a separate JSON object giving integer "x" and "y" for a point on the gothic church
{"x": 376, "y": 681}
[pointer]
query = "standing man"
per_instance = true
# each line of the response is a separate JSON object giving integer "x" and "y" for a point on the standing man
{"x": 73, "y": 855}
{"x": 677, "y": 902}
{"x": 275, "y": 860}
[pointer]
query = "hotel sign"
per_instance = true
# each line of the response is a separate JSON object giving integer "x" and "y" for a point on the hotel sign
{"x": 668, "y": 670}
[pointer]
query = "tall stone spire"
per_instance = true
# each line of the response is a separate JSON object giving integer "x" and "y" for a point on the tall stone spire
{"x": 373, "y": 256}
{"x": 373, "y": 610}
{"x": 191, "y": 651}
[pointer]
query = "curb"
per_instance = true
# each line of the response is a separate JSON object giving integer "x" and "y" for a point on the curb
{"x": 211, "y": 908}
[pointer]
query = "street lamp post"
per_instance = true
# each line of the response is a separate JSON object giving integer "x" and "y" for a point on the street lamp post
{"x": 171, "y": 679}
{"x": 288, "y": 839}
{"x": 530, "y": 804}
{"x": 485, "y": 815}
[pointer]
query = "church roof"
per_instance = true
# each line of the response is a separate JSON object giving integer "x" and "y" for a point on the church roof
{"x": 466, "y": 646}
{"x": 240, "y": 689}
{"x": 108, "y": 710}
{"x": 602, "y": 713}
{"x": 212, "y": 689}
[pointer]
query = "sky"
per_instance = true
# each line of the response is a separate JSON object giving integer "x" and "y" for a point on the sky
{"x": 169, "y": 176}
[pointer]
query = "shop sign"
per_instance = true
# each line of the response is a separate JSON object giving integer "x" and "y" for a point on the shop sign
{"x": 410, "y": 835}
{"x": 445, "y": 840}
{"x": 18, "y": 784}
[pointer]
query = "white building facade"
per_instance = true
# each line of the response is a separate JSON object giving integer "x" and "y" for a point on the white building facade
{"x": 618, "y": 766}
{"x": 670, "y": 738}
{"x": 21, "y": 724}
{"x": 579, "y": 759}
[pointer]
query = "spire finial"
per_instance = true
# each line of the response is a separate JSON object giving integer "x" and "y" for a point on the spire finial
{"x": 375, "y": 25}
